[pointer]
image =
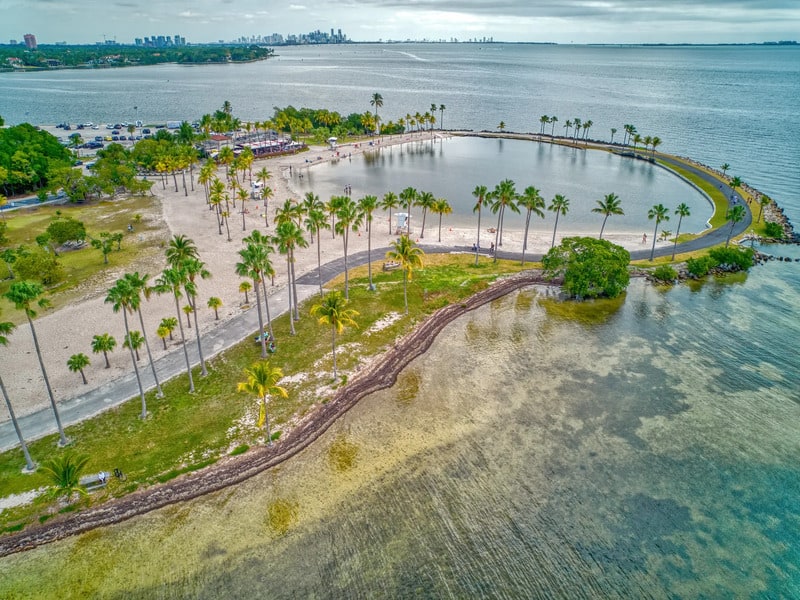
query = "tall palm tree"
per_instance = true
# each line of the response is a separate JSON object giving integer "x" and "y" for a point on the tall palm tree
{"x": 377, "y": 102}
{"x": 349, "y": 218}
{"x": 23, "y": 294}
{"x": 105, "y": 343}
{"x": 560, "y": 206}
{"x": 735, "y": 182}
{"x": 531, "y": 200}
{"x": 724, "y": 168}
{"x": 655, "y": 141}
{"x": 425, "y": 200}
{"x": 504, "y": 196}
{"x": 333, "y": 311}
{"x": 250, "y": 266}
{"x": 171, "y": 281}
{"x": 543, "y": 120}
{"x": 77, "y": 363}
{"x": 441, "y": 207}
{"x": 735, "y": 214}
{"x": 5, "y": 329}
{"x": 609, "y": 205}
{"x": 262, "y": 380}
{"x": 315, "y": 222}
{"x": 120, "y": 297}
{"x": 389, "y": 203}
{"x": 658, "y": 213}
{"x": 194, "y": 268}
{"x": 368, "y": 205}
{"x": 681, "y": 211}
{"x": 267, "y": 270}
{"x": 763, "y": 202}
{"x": 481, "y": 194}
{"x": 180, "y": 248}
{"x": 288, "y": 237}
{"x": 613, "y": 133}
{"x": 409, "y": 255}
{"x": 553, "y": 121}
{"x": 567, "y": 125}
{"x": 408, "y": 196}
{"x": 442, "y": 108}
{"x": 141, "y": 289}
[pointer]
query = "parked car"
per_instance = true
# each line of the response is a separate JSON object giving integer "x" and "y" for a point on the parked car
{"x": 98, "y": 138}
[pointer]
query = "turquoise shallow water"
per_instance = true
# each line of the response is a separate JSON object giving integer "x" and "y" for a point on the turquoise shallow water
{"x": 642, "y": 448}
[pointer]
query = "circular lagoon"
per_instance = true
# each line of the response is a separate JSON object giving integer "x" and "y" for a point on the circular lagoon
{"x": 451, "y": 168}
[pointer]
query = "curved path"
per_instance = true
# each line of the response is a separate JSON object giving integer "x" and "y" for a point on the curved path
{"x": 96, "y": 400}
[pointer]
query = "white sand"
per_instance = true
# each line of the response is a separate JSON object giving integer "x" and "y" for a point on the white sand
{"x": 69, "y": 330}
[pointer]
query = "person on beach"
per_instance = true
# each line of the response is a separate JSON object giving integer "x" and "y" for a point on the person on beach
{"x": 644, "y": 238}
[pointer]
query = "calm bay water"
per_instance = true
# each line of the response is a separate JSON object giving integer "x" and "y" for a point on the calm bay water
{"x": 640, "y": 448}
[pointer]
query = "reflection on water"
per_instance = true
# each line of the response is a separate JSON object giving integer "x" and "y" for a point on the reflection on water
{"x": 531, "y": 453}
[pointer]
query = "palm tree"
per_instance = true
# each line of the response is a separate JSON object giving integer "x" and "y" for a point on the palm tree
{"x": 576, "y": 122}
{"x": 442, "y": 108}
{"x": 409, "y": 255}
{"x": 315, "y": 222}
{"x": 170, "y": 324}
{"x": 441, "y": 207}
{"x": 120, "y": 297}
{"x": 560, "y": 206}
{"x": 567, "y": 125}
{"x": 333, "y": 311}
{"x": 5, "y": 329}
{"x": 251, "y": 266}
{"x": 735, "y": 214}
{"x": 366, "y": 206}
{"x": 171, "y": 281}
{"x": 77, "y": 363}
{"x": 502, "y": 125}
{"x": 725, "y": 167}
{"x": 681, "y": 211}
{"x": 105, "y": 343}
{"x": 23, "y": 294}
{"x": 654, "y": 142}
{"x": 543, "y": 120}
{"x": 610, "y": 205}
{"x": 65, "y": 474}
{"x": 734, "y": 183}
{"x": 214, "y": 304}
{"x": 350, "y": 218}
{"x": 194, "y": 268}
{"x": 531, "y": 200}
{"x": 553, "y": 121}
{"x": 408, "y": 197}
{"x": 377, "y": 102}
{"x": 613, "y": 132}
{"x": 134, "y": 340}
{"x": 244, "y": 288}
{"x": 243, "y": 197}
{"x": 504, "y": 195}
{"x": 262, "y": 380}
{"x": 265, "y": 264}
{"x": 141, "y": 289}
{"x": 389, "y": 203}
{"x": 481, "y": 194}
{"x": 288, "y": 237}
{"x": 163, "y": 333}
{"x": 425, "y": 200}
{"x": 180, "y": 248}
{"x": 660, "y": 213}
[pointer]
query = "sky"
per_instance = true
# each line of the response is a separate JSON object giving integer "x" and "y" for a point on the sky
{"x": 559, "y": 21}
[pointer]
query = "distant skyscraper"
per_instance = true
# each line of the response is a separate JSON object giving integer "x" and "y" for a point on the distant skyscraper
{"x": 30, "y": 41}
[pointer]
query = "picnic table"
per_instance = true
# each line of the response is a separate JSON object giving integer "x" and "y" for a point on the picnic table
{"x": 391, "y": 266}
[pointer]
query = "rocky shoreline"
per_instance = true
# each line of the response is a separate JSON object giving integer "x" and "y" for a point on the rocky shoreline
{"x": 381, "y": 375}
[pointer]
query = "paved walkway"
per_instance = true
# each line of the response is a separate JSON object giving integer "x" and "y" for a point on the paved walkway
{"x": 74, "y": 410}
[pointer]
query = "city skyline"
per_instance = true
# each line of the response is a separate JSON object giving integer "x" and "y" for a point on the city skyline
{"x": 564, "y": 21}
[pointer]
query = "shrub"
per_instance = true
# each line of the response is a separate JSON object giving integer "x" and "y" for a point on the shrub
{"x": 773, "y": 230}
{"x": 665, "y": 273}
{"x": 240, "y": 449}
{"x": 700, "y": 266}
{"x": 733, "y": 258}
{"x": 591, "y": 268}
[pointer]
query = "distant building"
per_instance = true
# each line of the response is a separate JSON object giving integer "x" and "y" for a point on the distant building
{"x": 30, "y": 41}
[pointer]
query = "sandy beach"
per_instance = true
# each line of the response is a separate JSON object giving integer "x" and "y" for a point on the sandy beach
{"x": 70, "y": 330}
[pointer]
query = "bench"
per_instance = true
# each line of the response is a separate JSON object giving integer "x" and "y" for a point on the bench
{"x": 94, "y": 481}
{"x": 391, "y": 266}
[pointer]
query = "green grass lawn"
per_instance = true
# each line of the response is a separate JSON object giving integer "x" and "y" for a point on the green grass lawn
{"x": 188, "y": 431}
{"x": 81, "y": 267}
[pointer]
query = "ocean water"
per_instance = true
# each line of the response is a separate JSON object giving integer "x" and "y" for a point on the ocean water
{"x": 645, "y": 447}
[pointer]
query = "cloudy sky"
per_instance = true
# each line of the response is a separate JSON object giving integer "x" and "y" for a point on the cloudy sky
{"x": 561, "y": 21}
